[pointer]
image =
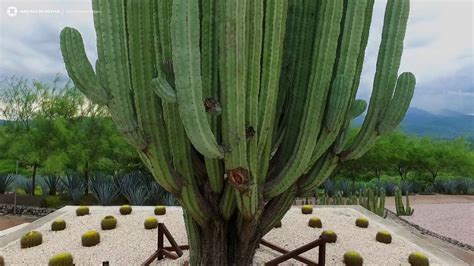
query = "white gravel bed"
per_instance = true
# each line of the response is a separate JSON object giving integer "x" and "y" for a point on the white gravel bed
{"x": 131, "y": 244}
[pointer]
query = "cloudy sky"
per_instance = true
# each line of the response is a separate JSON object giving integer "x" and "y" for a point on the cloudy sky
{"x": 439, "y": 46}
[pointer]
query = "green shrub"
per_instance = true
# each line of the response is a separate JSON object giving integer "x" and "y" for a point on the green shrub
{"x": 307, "y": 209}
{"x": 31, "y": 239}
{"x": 362, "y": 222}
{"x": 151, "y": 223}
{"x": 352, "y": 258}
{"x": 330, "y": 236}
{"x": 278, "y": 224}
{"x": 90, "y": 238}
{"x": 160, "y": 210}
{"x": 58, "y": 225}
{"x": 81, "y": 211}
{"x": 108, "y": 223}
{"x": 384, "y": 237}
{"x": 61, "y": 259}
{"x": 125, "y": 209}
{"x": 418, "y": 259}
{"x": 315, "y": 222}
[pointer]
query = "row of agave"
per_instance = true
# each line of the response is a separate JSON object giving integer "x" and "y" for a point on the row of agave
{"x": 137, "y": 187}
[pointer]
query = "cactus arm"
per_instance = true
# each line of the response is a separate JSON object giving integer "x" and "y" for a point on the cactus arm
{"x": 399, "y": 104}
{"x": 233, "y": 74}
{"x": 163, "y": 89}
{"x": 298, "y": 47}
{"x": 255, "y": 38}
{"x": 79, "y": 68}
{"x": 227, "y": 204}
{"x": 140, "y": 26}
{"x": 388, "y": 62}
{"x": 209, "y": 66}
{"x": 323, "y": 62}
{"x": 113, "y": 68}
{"x": 320, "y": 172}
{"x": 187, "y": 69}
{"x": 272, "y": 55}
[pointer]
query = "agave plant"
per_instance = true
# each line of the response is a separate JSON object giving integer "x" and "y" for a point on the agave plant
{"x": 103, "y": 188}
{"x": 6, "y": 180}
{"x": 345, "y": 187}
{"x": 52, "y": 183}
{"x": 24, "y": 183}
{"x": 133, "y": 187}
{"x": 330, "y": 188}
{"x": 74, "y": 186}
{"x": 390, "y": 188}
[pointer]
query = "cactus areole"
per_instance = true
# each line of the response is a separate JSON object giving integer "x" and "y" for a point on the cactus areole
{"x": 239, "y": 106}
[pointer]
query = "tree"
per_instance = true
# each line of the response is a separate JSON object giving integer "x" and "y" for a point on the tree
{"x": 441, "y": 156}
{"x": 237, "y": 107}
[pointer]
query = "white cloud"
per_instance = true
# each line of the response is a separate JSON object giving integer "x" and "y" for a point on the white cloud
{"x": 438, "y": 47}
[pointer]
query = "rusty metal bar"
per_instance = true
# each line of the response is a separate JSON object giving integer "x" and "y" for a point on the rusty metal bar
{"x": 182, "y": 247}
{"x": 322, "y": 253}
{"x": 173, "y": 243}
{"x": 151, "y": 258}
{"x": 169, "y": 254}
{"x": 292, "y": 254}
{"x": 160, "y": 240}
{"x": 284, "y": 251}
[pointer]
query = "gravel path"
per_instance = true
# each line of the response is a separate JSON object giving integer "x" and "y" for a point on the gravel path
{"x": 450, "y": 216}
{"x": 131, "y": 244}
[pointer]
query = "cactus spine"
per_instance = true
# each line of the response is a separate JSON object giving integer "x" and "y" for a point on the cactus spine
{"x": 239, "y": 106}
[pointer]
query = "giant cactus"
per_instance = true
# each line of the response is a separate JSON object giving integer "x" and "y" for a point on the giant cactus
{"x": 239, "y": 106}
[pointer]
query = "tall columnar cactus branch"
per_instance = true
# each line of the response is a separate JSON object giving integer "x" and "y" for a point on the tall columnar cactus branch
{"x": 239, "y": 106}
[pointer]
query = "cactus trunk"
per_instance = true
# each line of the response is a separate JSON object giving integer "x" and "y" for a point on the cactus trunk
{"x": 238, "y": 106}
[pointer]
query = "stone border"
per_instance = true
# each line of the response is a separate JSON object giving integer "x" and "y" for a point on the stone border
{"x": 431, "y": 249}
{"x": 425, "y": 231}
{"x": 8, "y": 209}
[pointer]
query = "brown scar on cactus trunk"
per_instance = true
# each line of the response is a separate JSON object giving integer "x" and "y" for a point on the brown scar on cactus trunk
{"x": 212, "y": 106}
{"x": 249, "y": 132}
{"x": 239, "y": 178}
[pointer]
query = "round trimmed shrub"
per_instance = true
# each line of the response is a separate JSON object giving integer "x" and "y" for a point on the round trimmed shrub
{"x": 90, "y": 238}
{"x": 362, "y": 222}
{"x": 418, "y": 259}
{"x": 330, "y": 236}
{"x": 81, "y": 211}
{"x": 108, "y": 223}
{"x": 278, "y": 224}
{"x": 61, "y": 259}
{"x": 352, "y": 258}
{"x": 160, "y": 210}
{"x": 125, "y": 209}
{"x": 58, "y": 225}
{"x": 384, "y": 237}
{"x": 31, "y": 239}
{"x": 315, "y": 222}
{"x": 150, "y": 223}
{"x": 306, "y": 209}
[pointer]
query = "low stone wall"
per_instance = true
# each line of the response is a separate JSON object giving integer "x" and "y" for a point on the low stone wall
{"x": 10, "y": 209}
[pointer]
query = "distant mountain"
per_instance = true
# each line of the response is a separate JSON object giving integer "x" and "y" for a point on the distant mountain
{"x": 446, "y": 124}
